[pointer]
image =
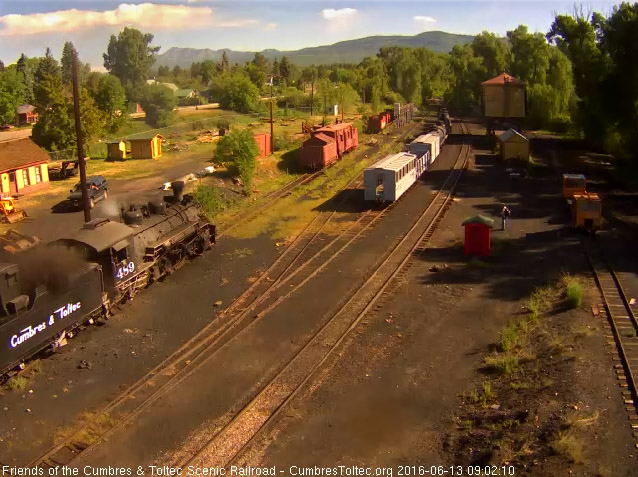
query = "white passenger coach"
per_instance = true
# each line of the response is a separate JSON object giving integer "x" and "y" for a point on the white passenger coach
{"x": 387, "y": 179}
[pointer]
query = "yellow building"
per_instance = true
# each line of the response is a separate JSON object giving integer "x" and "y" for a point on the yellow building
{"x": 146, "y": 146}
{"x": 504, "y": 97}
{"x": 23, "y": 166}
{"x": 514, "y": 145}
{"x": 116, "y": 149}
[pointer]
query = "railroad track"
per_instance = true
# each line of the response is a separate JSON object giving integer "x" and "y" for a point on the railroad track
{"x": 268, "y": 200}
{"x": 291, "y": 269}
{"x": 233, "y": 438}
{"x": 623, "y": 325}
{"x": 287, "y": 189}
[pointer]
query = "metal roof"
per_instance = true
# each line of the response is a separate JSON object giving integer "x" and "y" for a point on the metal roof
{"x": 100, "y": 234}
{"x": 512, "y": 133}
{"x": 335, "y": 127}
{"x": 20, "y": 153}
{"x": 144, "y": 136}
{"x": 574, "y": 176}
{"x": 25, "y": 108}
{"x": 393, "y": 162}
{"x": 479, "y": 219}
{"x": 503, "y": 79}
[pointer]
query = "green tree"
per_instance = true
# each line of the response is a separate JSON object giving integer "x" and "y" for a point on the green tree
{"x": 1, "y": 66}
{"x": 67, "y": 63}
{"x": 164, "y": 71}
{"x": 235, "y": 91}
{"x": 26, "y": 67}
{"x": 91, "y": 118}
{"x": 256, "y": 75}
{"x": 224, "y": 62}
{"x": 55, "y": 129}
{"x": 110, "y": 98}
{"x": 530, "y": 55}
{"x": 130, "y": 57}
{"x": 494, "y": 52}
{"x": 285, "y": 69}
{"x": 158, "y": 103}
{"x": 239, "y": 151}
{"x": 48, "y": 88}
{"x": 261, "y": 62}
{"x": 12, "y": 94}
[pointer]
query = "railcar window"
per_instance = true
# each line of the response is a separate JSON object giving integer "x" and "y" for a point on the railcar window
{"x": 121, "y": 255}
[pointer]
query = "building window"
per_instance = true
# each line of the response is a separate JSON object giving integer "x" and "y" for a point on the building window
{"x": 25, "y": 177}
{"x": 38, "y": 174}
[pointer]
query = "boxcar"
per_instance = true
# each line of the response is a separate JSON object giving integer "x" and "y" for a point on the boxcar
{"x": 327, "y": 144}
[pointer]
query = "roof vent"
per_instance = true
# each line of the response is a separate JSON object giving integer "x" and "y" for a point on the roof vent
{"x": 95, "y": 223}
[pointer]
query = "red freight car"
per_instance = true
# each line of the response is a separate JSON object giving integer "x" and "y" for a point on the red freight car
{"x": 378, "y": 122}
{"x": 327, "y": 144}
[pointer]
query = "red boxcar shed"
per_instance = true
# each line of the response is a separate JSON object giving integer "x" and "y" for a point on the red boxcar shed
{"x": 478, "y": 230}
{"x": 263, "y": 141}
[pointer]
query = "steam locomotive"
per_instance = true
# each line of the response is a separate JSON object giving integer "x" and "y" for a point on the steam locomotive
{"x": 107, "y": 263}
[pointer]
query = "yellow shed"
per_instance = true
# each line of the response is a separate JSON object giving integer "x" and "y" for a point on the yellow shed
{"x": 504, "y": 97}
{"x": 514, "y": 145}
{"x": 23, "y": 166}
{"x": 146, "y": 146}
{"x": 116, "y": 149}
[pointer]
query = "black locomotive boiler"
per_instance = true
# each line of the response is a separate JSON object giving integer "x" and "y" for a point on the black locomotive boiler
{"x": 111, "y": 262}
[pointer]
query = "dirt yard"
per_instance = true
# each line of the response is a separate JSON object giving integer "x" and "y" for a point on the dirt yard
{"x": 473, "y": 362}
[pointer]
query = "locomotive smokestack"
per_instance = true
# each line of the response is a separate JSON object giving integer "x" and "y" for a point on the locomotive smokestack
{"x": 178, "y": 190}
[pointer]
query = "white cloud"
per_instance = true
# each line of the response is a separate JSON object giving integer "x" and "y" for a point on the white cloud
{"x": 270, "y": 26}
{"x": 331, "y": 13}
{"x": 424, "y": 19}
{"x": 144, "y": 15}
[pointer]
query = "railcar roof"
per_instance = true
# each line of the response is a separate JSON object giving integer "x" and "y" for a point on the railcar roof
{"x": 335, "y": 127}
{"x": 393, "y": 162}
{"x": 102, "y": 236}
{"x": 426, "y": 138}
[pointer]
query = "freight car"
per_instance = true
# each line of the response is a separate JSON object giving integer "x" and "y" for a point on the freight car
{"x": 93, "y": 271}
{"x": 401, "y": 114}
{"x": 328, "y": 144}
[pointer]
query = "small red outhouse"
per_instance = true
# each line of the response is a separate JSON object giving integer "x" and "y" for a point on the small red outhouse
{"x": 478, "y": 230}
{"x": 263, "y": 141}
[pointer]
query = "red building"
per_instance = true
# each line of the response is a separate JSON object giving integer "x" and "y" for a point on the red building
{"x": 478, "y": 230}
{"x": 26, "y": 114}
{"x": 263, "y": 142}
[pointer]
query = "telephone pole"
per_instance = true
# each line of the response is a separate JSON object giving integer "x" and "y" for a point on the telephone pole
{"x": 80, "y": 142}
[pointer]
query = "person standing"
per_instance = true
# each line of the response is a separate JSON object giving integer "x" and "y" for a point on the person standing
{"x": 505, "y": 214}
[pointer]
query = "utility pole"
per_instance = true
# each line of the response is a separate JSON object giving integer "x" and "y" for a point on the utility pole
{"x": 272, "y": 124}
{"x": 80, "y": 144}
{"x": 312, "y": 98}
{"x": 343, "y": 108}
{"x": 272, "y": 131}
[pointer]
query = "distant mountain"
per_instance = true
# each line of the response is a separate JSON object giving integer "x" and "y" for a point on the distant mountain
{"x": 350, "y": 51}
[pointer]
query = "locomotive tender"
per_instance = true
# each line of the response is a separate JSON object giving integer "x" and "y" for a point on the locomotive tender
{"x": 114, "y": 261}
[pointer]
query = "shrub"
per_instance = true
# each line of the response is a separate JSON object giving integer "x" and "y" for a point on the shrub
{"x": 574, "y": 294}
{"x": 209, "y": 198}
{"x": 285, "y": 141}
{"x": 239, "y": 151}
{"x": 502, "y": 364}
{"x": 17, "y": 383}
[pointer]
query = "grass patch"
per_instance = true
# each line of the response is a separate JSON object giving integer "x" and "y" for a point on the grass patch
{"x": 513, "y": 336}
{"x": 568, "y": 445}
{"x": 573, "y": 291}
{"x": 242, "y": 252}
{"x": 502, "y": 363}
{"x": 211, "y": 200}
{"x": 17, "y": 383}
{"x": 89, "y": 427}
{"x": 541, "y": 301}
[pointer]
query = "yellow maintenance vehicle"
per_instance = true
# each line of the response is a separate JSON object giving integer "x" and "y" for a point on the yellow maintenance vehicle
{"x": 9, "y": 212}
{"x": 586, "y": 207}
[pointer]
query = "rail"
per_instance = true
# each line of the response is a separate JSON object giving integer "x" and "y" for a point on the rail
{"x": 232, "y": 439}
{"x": 194, "y": 353}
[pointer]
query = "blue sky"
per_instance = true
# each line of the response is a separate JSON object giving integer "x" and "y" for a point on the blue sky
{"x": 32, "y": 25}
